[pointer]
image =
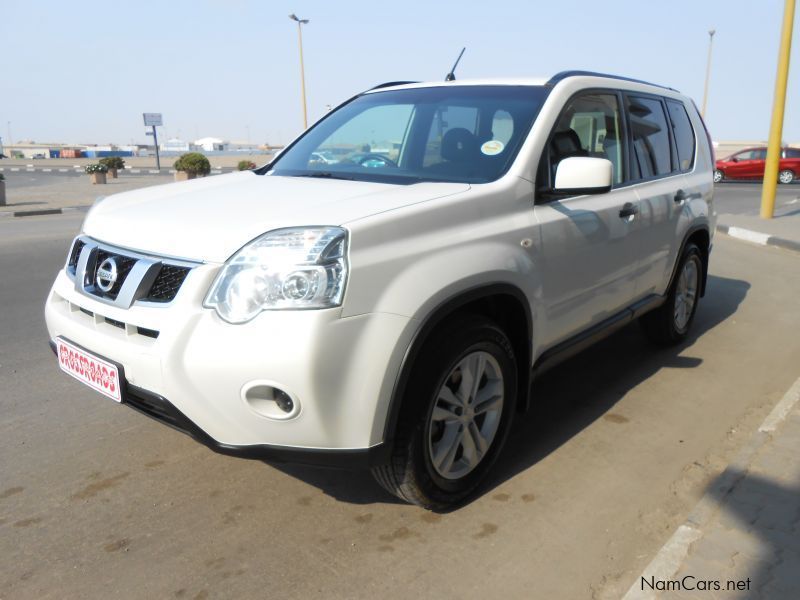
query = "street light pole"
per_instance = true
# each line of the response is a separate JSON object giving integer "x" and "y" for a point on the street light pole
{"x": 779, "y": 104}
{"x": 711, "y": 33}
{"x": 300, "y": 23}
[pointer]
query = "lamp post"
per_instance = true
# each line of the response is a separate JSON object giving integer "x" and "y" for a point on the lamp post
{"x": 711, "y": 33}
{"x": 300, "y": 23}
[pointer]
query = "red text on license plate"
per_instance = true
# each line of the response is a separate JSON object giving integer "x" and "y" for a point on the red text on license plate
{"x": 98, "y": 374}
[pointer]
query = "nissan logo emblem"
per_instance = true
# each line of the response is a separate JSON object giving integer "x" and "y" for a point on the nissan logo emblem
{"x": 106, "y": 274}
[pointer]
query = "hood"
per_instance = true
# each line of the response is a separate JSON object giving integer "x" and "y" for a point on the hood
{"x": 209, "y": 219}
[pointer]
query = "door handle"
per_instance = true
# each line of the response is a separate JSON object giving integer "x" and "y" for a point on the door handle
{"x": 629, "y": 209}
{"x": 680, "y": 196}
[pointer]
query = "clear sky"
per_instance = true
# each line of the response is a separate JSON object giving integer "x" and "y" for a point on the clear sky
{"x": 85, "y": 71}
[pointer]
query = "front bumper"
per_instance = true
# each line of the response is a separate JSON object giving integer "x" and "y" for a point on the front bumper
{"x": 341, "y": 371}
{"x": 160, "y": 409}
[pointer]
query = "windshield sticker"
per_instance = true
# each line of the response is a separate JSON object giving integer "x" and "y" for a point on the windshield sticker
{"x": 492, "y": 147}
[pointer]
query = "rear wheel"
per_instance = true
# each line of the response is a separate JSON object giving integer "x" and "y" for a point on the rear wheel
{"x": 718, "y": 175}
{"x": 670, "y": 323}
{"x": 456, "y": 414}
{"x": 786, "y": 176}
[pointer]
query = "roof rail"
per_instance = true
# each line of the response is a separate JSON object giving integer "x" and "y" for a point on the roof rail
{"x": 564, "y": 74}
{"x": 390, "y": 84}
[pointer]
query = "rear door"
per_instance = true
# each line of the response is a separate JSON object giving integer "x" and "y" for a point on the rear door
{"x": 663, "y": 150}
{"x": 589, "y": 253}
{"x": 758, "y": 164}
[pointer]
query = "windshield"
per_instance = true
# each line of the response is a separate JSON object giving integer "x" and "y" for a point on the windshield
{"x": 467, "y": 134}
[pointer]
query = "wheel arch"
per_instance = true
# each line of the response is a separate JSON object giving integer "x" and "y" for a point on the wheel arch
{"x": 503, "y": 303}
{"x": 700, "y": 236}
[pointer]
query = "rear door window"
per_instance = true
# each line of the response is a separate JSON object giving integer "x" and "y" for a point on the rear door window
{"x": 683, "y": 134}
{"x": 651, "y": 156}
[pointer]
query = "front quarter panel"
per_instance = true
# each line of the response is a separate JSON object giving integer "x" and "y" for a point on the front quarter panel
{"x": 412, "y": 259}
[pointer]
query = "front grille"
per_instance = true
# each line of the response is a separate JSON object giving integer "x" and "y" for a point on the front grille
{"x": 124, "y": 266}
{"x": 115, "y": 323}
{"x": 75, "y": 254}
{"x": 138, "y": 276}
{"x": 167, "y": 283}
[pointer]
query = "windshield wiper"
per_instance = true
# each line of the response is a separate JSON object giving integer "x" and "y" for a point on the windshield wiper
{"x": 325, "y": 175}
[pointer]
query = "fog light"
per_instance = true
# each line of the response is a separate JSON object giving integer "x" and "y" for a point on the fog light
{"x": 268, "y": 400}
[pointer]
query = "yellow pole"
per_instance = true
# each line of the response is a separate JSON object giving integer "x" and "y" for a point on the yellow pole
{"x": 708, "y": 71}
{"x": 302, "y": 75}
{"x": 779, "y": 103}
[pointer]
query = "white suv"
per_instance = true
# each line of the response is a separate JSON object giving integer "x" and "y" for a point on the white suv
{"x": 389, "y": 308}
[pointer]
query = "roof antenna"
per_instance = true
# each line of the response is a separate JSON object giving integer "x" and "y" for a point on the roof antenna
{"x": 451, "y": 76}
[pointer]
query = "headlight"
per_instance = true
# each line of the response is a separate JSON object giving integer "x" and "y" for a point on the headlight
{"x": 286, "y": 269}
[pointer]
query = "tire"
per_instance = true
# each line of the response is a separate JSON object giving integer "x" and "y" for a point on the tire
{"x": 670, "y": 323}
{"x": 435, "y": 460}
{"x": 718, "y": 175}
{"x": 786, "y": 176}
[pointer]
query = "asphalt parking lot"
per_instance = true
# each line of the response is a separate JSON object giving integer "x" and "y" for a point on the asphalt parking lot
{"x": 99, "y": 501}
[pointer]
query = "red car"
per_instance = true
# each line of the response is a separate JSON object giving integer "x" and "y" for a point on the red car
{"x": 749, "y": 164}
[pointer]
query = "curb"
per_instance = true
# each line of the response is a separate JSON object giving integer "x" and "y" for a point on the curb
{"x": 763, "y": 239}
{"x": 40, "y": 212}
{"x": 669, "y": 558}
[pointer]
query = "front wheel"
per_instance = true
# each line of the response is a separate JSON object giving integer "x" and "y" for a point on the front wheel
{"x": 718, "y": 175}
{"x": 669, "y": 324}
{"x": 456, "y": 414}
{"x": 786, "y": 176}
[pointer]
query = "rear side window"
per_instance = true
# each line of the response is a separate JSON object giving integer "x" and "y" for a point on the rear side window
{"x": 651, "y": 150}
{"x": 791, "y": 153}
{"x": 683, "y": 133}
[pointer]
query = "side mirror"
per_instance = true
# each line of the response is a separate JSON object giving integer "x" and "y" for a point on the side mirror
{"x": 734, "y": 159}
{"x": 581, "y": 175}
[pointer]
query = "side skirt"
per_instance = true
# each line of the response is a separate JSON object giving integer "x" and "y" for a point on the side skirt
{"x": 572, "y": 346}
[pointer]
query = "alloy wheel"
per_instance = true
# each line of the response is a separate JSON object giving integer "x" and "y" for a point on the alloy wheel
{"x": 466, "y": 415}
{"x": 686, "y": 293}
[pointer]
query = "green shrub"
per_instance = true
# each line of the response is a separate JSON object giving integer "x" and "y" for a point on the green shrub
{"x": 193, "y": 162}
{"x": 246, "y": 165}
{"x": 2, "y": 177}
{"x": 96, "y": 168}
{"x": 113, "y": 162}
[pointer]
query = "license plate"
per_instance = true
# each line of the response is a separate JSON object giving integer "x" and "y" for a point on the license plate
{"x": 98, "y": 374}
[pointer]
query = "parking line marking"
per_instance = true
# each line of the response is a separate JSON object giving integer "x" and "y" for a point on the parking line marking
{"x": 63, "y": 170}
{"x": 666, "y": 563}
{"x": 15, "y": 168}
{"x": 46, "y": 170}
{"x": 783, "y": 408}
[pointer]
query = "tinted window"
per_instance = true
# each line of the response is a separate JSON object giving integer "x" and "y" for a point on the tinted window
{"x": 651, "y": 149}
{"x": 791, "y": 153}
{"x": 589, "y": 126}
{"x": 760, "y": 154}
{"x": 683, "y": 133}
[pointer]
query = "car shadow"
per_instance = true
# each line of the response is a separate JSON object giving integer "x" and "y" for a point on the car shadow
{"x": 768, "y": 510}
{"x": 562, "y": 404}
